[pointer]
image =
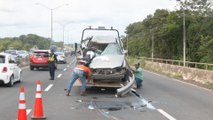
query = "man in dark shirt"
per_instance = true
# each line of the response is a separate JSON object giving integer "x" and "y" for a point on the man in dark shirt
{"x": 52, "y": 60}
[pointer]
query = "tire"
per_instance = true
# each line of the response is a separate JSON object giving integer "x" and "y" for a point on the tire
{"x": 11, "y": 82}
{"x": 31, "y": 67}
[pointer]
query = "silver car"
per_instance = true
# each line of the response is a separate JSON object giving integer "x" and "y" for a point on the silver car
{"x": 61, "y": 57}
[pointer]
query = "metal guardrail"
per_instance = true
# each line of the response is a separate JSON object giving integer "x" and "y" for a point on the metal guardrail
{"x": 206, "y": 66}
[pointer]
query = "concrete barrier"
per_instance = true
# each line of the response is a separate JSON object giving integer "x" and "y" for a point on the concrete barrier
{"x": 199, "y": 75}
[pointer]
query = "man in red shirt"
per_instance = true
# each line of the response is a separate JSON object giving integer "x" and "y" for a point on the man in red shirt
{"x": 82, "y": 72}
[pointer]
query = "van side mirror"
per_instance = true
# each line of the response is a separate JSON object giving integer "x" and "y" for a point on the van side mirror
{"x": 125, "y": 51}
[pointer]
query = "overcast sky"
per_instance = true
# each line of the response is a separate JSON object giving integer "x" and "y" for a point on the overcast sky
{"x": 22, "y": 17}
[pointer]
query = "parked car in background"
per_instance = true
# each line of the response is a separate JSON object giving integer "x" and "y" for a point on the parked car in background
{"x": 12, "y": 52}
{"x": 10, "y": 72}
{"x": 22, "y": 53}
{"x": 39, "y": 59}
{"x": 61, "y": 57}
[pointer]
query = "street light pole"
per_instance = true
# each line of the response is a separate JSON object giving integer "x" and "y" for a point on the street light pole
{"x": 51, "y": 18}
{"x": 51, "y": 25}
{"x": 152, "y": 30}
{"x": 63, "y": 28}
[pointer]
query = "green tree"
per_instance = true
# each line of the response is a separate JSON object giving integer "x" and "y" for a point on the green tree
{"x": 167, "y": 30}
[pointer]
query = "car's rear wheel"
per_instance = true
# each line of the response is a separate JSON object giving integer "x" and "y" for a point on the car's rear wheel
{"x": 11, "y": 82}
{"x": 31, "y": 68}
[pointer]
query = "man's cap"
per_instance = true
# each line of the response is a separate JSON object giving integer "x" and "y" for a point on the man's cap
{"x": 51, "y": 50}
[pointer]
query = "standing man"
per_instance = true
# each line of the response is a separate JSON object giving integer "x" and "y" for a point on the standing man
{"x": 138, "y": 75}
{"x": 52, "y": 64}
{"x": 82, "y": 72}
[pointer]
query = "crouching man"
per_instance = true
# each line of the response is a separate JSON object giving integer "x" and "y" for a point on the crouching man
{"x": 82, "y": 72}
{"x": 138, "y": 75}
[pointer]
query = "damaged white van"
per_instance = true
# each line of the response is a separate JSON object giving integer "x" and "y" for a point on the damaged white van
{"x": 106, "y": 55}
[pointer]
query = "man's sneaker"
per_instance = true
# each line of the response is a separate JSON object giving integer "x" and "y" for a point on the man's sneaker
{"x": 83, "y": 93}
{"x": 139, "y": 87}
{"x": 67, "y": 94}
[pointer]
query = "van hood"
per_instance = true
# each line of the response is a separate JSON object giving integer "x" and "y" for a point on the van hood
{"x": 107, "y": 61}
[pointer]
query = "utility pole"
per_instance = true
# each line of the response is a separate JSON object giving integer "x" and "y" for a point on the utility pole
{"x": 152, "y": 46}
{"x": 184, "y": 39}
{"x": 63, "y": 31}
{"x": 127, "y": 46}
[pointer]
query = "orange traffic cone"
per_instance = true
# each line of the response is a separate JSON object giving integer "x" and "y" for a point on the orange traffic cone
{"x": 38, "y": 107}
{"x": 22, "y": 113}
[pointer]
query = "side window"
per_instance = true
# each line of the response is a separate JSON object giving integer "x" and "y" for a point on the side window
{"x": 46, "y": 54}
{"x": 2, "y": 59}
{"x": 12, "y": 59}
{"x": 37, "y": 54}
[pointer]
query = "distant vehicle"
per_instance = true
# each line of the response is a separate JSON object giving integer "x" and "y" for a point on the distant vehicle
{"x": 12, "y": 52}
{"x": 10, "y": 72}
{"x": 66, "y": 52}
{"x": 39, "y": 59}
{"x": 61, "y": 58}
{"x": 22, "y": 53}
{"x": 72, "y": 53}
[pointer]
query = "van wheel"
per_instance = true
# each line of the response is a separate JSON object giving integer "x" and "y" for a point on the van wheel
{"x": 11, "y": 82}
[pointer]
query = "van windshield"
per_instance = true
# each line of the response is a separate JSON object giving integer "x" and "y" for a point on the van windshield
{"x": 112, "y": 49}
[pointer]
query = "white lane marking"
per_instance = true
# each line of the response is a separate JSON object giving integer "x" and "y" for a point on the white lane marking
{"x": 148, "y": 105}
{"x": 59, "y": 76}
{"x": 166, "y": 114}
{"x": 68, "y": 66}
{"x": 144, "y": 101}
{"x": 28, "y": 111}
{"x": 72, "y": 62}
{"x": 65, "y": 69}
{"x": 48, "y": 87}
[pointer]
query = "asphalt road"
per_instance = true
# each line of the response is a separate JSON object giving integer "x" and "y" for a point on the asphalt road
{"x": 161, "y": 98}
